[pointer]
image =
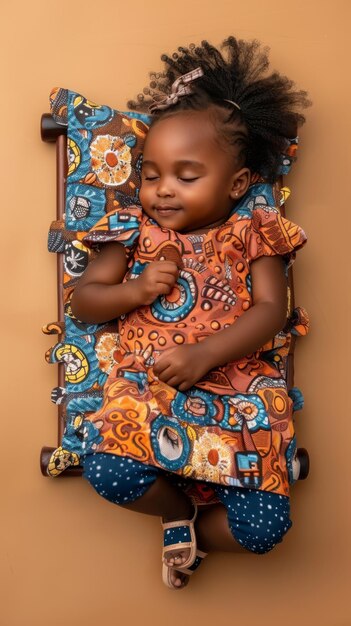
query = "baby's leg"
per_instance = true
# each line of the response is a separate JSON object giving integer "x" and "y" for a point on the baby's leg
{"x": 136, "y": 486}
{"x": 139, "y": 487}
{"x": 252, "y": 520}
{"x": 118, "y": 479}
{"x": 213, "y": 532}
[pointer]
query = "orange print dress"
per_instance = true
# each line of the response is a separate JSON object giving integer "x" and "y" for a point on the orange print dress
{"x": 234, "y": 427}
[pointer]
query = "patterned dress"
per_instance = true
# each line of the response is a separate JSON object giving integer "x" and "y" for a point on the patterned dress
{"x": 234, "y": 427}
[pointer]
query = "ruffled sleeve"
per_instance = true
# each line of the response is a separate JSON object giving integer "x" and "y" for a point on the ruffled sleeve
{"x": 269, "y": 234}
{"x": 122, "y": 225}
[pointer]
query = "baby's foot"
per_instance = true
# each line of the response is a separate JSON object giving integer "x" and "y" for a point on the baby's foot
{"x": 175, "y": 558}
{"x": 178, "y": 579}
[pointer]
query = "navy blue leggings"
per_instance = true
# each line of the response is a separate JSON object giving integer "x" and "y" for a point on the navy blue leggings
{"x": 258, "y": 520}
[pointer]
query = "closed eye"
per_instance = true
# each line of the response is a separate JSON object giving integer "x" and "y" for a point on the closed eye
{"x": 189, "y": 180}
{"x": 184, "y": 180}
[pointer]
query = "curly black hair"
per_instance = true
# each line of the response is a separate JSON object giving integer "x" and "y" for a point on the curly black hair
{"x": 270, "y": 107}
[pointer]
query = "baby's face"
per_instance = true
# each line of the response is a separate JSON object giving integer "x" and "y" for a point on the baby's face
{"x": 189, "y": 180}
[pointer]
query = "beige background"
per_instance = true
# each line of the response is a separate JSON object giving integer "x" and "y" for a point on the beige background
{"x": 67, "y": 556}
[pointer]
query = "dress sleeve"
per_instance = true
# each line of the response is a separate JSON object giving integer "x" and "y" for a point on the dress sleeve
{"x": 121, "y": 225}
{"x": 269, "y": 234}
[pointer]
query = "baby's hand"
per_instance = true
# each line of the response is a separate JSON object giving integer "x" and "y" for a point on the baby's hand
{"x": 183, "y": 366}
{"x": 158, "y": 278}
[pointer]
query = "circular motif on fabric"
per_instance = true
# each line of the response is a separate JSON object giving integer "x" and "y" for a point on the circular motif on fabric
{"x": 178, "y": 338}
{"x": 249, "y": 408}
{"x": 211, "y": 457}
{"x": 75, "y": 361}
{"x": 76, "y": 258}
{"x": 278, "y": 402}
{"x": 196, "y": 406}
{"x": 206, "y": 305}
{"x": 111, "y": 160}
{"x": 130, "y": 140}
{"x": 178, "y": 304}
{"x": 170, "y": 443}
{"x": 73, "y": 156}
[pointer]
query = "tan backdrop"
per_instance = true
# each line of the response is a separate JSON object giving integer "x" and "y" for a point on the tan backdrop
{"x": 67, "y": 556}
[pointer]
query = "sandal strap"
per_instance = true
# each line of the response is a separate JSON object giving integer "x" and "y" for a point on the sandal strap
{"x": 180, "y": 534}
{"x": 185, "y": 522}
{"x": 198, "y": 560}
{"x": 177, "y": 534}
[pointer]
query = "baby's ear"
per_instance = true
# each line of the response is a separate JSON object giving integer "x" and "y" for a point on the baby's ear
{"x": 240, "y": 184}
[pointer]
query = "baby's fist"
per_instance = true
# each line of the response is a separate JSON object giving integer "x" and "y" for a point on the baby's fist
{"x": 157, "y": 279}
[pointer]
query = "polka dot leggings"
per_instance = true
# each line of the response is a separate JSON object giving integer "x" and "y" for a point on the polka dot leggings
{"x": 258, "y": 520}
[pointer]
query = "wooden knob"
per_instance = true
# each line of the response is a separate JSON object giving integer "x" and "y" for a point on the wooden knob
{"x": 304, "y": 460}
{"x": 49, "y": 129}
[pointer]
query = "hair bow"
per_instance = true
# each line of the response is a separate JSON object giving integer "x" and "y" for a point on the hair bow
{"x": 179, "y": 88}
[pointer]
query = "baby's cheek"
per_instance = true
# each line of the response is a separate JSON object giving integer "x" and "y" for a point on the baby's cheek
{"x": 144, "y": 195}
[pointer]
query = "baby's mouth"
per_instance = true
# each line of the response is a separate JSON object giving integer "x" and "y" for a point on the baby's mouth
{"x": 166, "y": 209}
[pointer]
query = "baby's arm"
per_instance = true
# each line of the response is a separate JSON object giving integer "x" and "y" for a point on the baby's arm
{"x": 182, "y": 367}
{"x": 100, "y": 295}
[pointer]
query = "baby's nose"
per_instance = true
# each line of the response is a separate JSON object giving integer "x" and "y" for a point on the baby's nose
{"x": 164, "y": 189}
